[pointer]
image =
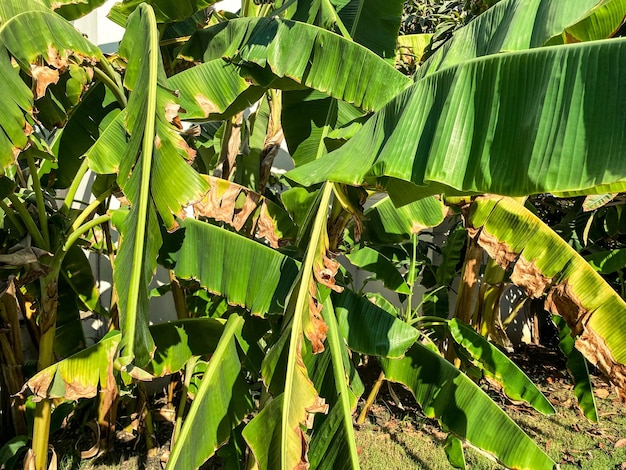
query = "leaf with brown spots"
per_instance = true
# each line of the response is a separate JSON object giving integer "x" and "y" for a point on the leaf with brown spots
{"x": 543, "y": 264}
{"x": 78, "y": 376}
{"x": 42, "y": 77}
{"x": 242, "y": 208}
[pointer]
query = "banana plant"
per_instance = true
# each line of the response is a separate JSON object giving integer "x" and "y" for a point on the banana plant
{"x": 514, "y": 104}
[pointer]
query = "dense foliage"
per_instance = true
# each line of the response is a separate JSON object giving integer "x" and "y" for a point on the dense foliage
{"x": 177, "y": 134}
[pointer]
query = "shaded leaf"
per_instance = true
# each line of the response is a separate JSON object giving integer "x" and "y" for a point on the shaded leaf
{"x": 383, "y": 269}
{"x": 368, "y": 329}
{"x": 221, "y": 402}
{"x": 578, "y": 370}
{"x": 387, "y": 223}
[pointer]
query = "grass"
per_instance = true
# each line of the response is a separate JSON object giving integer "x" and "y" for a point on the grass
{"x": 415, "y": 442}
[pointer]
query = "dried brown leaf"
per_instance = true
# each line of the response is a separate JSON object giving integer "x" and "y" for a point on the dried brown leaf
{"x": 206, "y": 105}
{"x": 43, "y": 77}
{"x": 621, "y": 443}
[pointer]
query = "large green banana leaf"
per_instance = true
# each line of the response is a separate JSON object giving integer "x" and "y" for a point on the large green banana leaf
{"x": 260, "y": 280}
{"x": 544, "y": 264}
{"x": 150, "y": 164}
{"x": 510, "y": 25}
{"x": 221, "y": 402}
{"x": 463, "y": 408}
{"x": 307, "y": 54}
{"x": 545, "y": 120}
{"x": 601, "y": 22}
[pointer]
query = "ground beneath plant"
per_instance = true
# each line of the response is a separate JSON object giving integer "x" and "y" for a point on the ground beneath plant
{"x": 397, "y": 435}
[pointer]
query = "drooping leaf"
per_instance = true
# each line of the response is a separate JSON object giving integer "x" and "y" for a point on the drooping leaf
{"x": 368, "y": 329}
{"x": 165, "y": 11}
{"x": 80, "y": 375}
{"x": 244, "y": 209}
{"x": 386, "y": 223}
{"x": 16, "y": 102}
{"x": 497, "y": 365}
{"x": 50, "y": 38}
{"x": 601, "y": 22}
{"x": 329, "y": 64}
{"x": 463, "y": 408}
{"x": 206, "y": 254}
{"x": 544, "y": 264}
{"x": 577, "y": 368}
{"x": 451, "y": 131}
{"x": 383, "y": 269}
{"x": 221, "y": 402}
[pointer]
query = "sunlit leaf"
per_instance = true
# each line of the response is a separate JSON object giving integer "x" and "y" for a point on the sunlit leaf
{"x": 498, "y": 366}
{"x": 463, "y": 408}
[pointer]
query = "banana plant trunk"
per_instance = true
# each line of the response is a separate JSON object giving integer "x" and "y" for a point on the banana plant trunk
{"x": 47, "y": 327}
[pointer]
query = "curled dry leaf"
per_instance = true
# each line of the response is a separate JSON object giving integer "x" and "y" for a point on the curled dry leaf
{"x": 239, "y": 207}
{"x": 326, "y": 275}
{"x": 43, "y": 77}
{"x": 315, "y": 328}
